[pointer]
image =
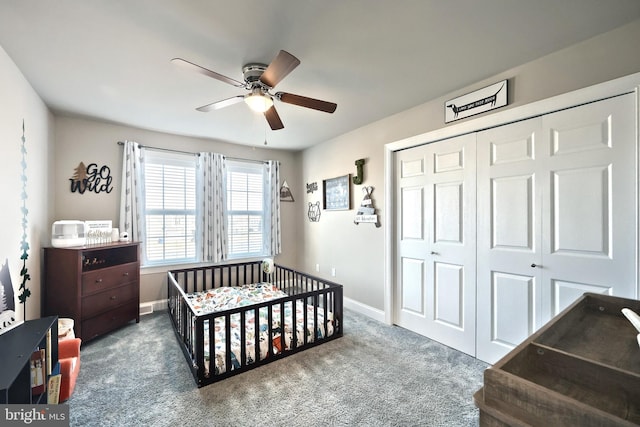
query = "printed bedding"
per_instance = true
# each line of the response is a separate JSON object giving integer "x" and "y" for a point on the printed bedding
{"x": 225, "y": 298}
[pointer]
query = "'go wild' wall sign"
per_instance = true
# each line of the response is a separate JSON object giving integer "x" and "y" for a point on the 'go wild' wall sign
{"x": 91, "y": 178}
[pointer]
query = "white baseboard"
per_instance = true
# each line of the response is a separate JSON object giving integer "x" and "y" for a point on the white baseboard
{"x": 151, "y": 306}
{"x": 367, "y": 310}
{"x": 146, "y": 308}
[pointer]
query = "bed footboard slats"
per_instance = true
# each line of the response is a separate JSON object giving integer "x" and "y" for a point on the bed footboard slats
{"x": 230, "y": 341}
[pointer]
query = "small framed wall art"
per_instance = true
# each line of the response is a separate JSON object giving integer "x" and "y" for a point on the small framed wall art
{"x": 336, "y": 193}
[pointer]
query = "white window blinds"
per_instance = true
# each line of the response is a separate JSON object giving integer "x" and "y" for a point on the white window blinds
{"x": 246, "y": 209}
{"x": 170, "y": 208}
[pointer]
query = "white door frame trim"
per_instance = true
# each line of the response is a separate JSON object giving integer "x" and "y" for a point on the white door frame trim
{"x": 628, "y": 84}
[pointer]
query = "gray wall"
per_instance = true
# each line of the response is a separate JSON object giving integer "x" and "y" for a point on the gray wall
{"x": 357, "y": 251}
{"x": 18, "y": 103}
{"x": 90, "y": 141}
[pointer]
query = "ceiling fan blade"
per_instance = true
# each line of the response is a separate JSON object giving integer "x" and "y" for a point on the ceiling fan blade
{"x": 220, "y": 104}
{"x": 195, "y": 67}
{"x": 283, "y": 64}
{"x": 303, "y": 101}
{"x": 273, "y": 118}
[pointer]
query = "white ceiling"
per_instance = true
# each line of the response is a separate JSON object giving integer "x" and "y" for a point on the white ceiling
{"x": 110, "y": 59}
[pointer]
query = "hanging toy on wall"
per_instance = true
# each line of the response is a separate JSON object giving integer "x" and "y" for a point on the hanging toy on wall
{"x": 366, "y": 212}
{"x": 314, "y": 212}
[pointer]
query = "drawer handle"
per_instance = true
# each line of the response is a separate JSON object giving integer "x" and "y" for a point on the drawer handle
{"x": 125, "y": 273}
{"x": 113, "y": 297}
{"x": 98, "y": 280}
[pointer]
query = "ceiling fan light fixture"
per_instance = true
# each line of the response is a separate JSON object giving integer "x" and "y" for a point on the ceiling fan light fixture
{"x": 260, "y": 79}
{"x": 258, "y": 101}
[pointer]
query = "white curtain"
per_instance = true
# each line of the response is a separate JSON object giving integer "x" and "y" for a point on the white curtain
{"x": 131, "y": 191}
{"x": 213, "y": 235}
{"x": 275, "y": 245}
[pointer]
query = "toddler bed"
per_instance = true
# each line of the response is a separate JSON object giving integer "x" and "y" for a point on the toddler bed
{"x": 232, "y": 318}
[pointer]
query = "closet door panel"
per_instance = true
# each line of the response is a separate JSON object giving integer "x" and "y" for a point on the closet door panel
{"x": 513, "y": 309}
{"x": 412, "y": 286}
{"x": 509, "y": 238}
{"x": 412, "y": 207}
{"x": 565, "y": 292}
{"x": 436, "y": 211}
{"x": 411, "y": 271}
{"x": 581, "y": 212}
{"x": 451, "y": 202}
{"x": 580, "y": 168}
{"x": 512, "y": 212}
{"x": 448, "y": 212}
{"x": 590, "y": 207}
{"x": 449, "y": 294}
{"x": 411, "y": 265}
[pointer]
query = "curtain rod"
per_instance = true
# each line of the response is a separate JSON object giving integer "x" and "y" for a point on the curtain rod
{"x": 163, "y": 149}
{"x": 195, "y": 154}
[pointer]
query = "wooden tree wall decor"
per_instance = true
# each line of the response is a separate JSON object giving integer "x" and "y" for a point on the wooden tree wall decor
{"x": 92, "y": 178}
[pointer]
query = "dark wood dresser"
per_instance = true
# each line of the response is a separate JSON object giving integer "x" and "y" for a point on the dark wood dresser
{"x": 98, "y": 286}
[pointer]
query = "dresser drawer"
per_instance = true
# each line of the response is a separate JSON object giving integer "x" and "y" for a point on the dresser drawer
{"x": 111, "y": 298}
{"x": 108, "y": 321}
{"x": 105, "y": 278}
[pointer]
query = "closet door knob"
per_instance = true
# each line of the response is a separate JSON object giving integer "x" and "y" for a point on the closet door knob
{"x": 535, "y": 265}
{"x": 434, "y": 253}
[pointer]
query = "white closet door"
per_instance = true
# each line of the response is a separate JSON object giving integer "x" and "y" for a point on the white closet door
{"x": 435, "y": 262}
{"x": 558, "y": 224}
{"x": 589, "y": 211}
{"x": 509, "y": 236}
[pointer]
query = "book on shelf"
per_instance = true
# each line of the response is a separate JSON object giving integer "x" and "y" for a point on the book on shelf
{"x": 38, "y": 374}
{"x": 53, "y": 389}
{"x": 48, "y": 353}
{"x": 53, "y": 386}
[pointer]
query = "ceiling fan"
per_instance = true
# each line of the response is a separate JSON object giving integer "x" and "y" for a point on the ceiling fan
{"x": 259, "y": 80}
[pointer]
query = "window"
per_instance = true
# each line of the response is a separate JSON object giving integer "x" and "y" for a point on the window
{"x": 247, "y": 209}
{"x": 172, "y": 211}
{"x": 169, "y": 208}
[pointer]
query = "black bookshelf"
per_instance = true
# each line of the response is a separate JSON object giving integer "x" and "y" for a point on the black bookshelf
{"x": 16, "y": 348}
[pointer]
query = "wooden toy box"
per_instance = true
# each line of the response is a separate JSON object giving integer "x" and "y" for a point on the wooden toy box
{"x": 582, "y": 368}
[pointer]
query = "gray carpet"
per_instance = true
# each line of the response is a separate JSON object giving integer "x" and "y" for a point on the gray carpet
{"x": 375, "y": 375}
